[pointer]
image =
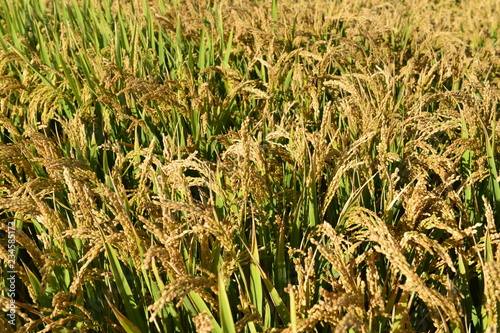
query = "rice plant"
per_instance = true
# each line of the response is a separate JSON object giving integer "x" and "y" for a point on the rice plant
{"x": 249, "y": 166}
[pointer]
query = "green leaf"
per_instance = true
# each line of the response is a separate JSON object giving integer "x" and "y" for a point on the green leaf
{"x": 255, "y": 279}
{"x": 274, "y": 10}
{"x": 293, "y": 313}
{"x": 229, "y": 45}
{"x": 41, "y": 296}
{"x": 124, "y": 289}
{"x": 275, "y": 297}
{"x": 225, "y": 307}
{"x": 195, "y": 305}
{"x": 126, "y": 324}
{"x": 201, "y": 51}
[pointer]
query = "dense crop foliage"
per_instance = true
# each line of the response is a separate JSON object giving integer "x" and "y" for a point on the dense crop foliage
{"x": 250, "y": 166}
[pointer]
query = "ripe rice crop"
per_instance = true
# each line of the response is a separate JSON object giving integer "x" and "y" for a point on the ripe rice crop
{"x": 249, "y": 166}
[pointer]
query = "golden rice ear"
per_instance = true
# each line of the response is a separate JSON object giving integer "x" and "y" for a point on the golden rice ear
{"x": 203, "y": 323}
{"x": 492, "y": 291}
{"x": 489, "y": 257}
{"x": 388, "y": 244}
